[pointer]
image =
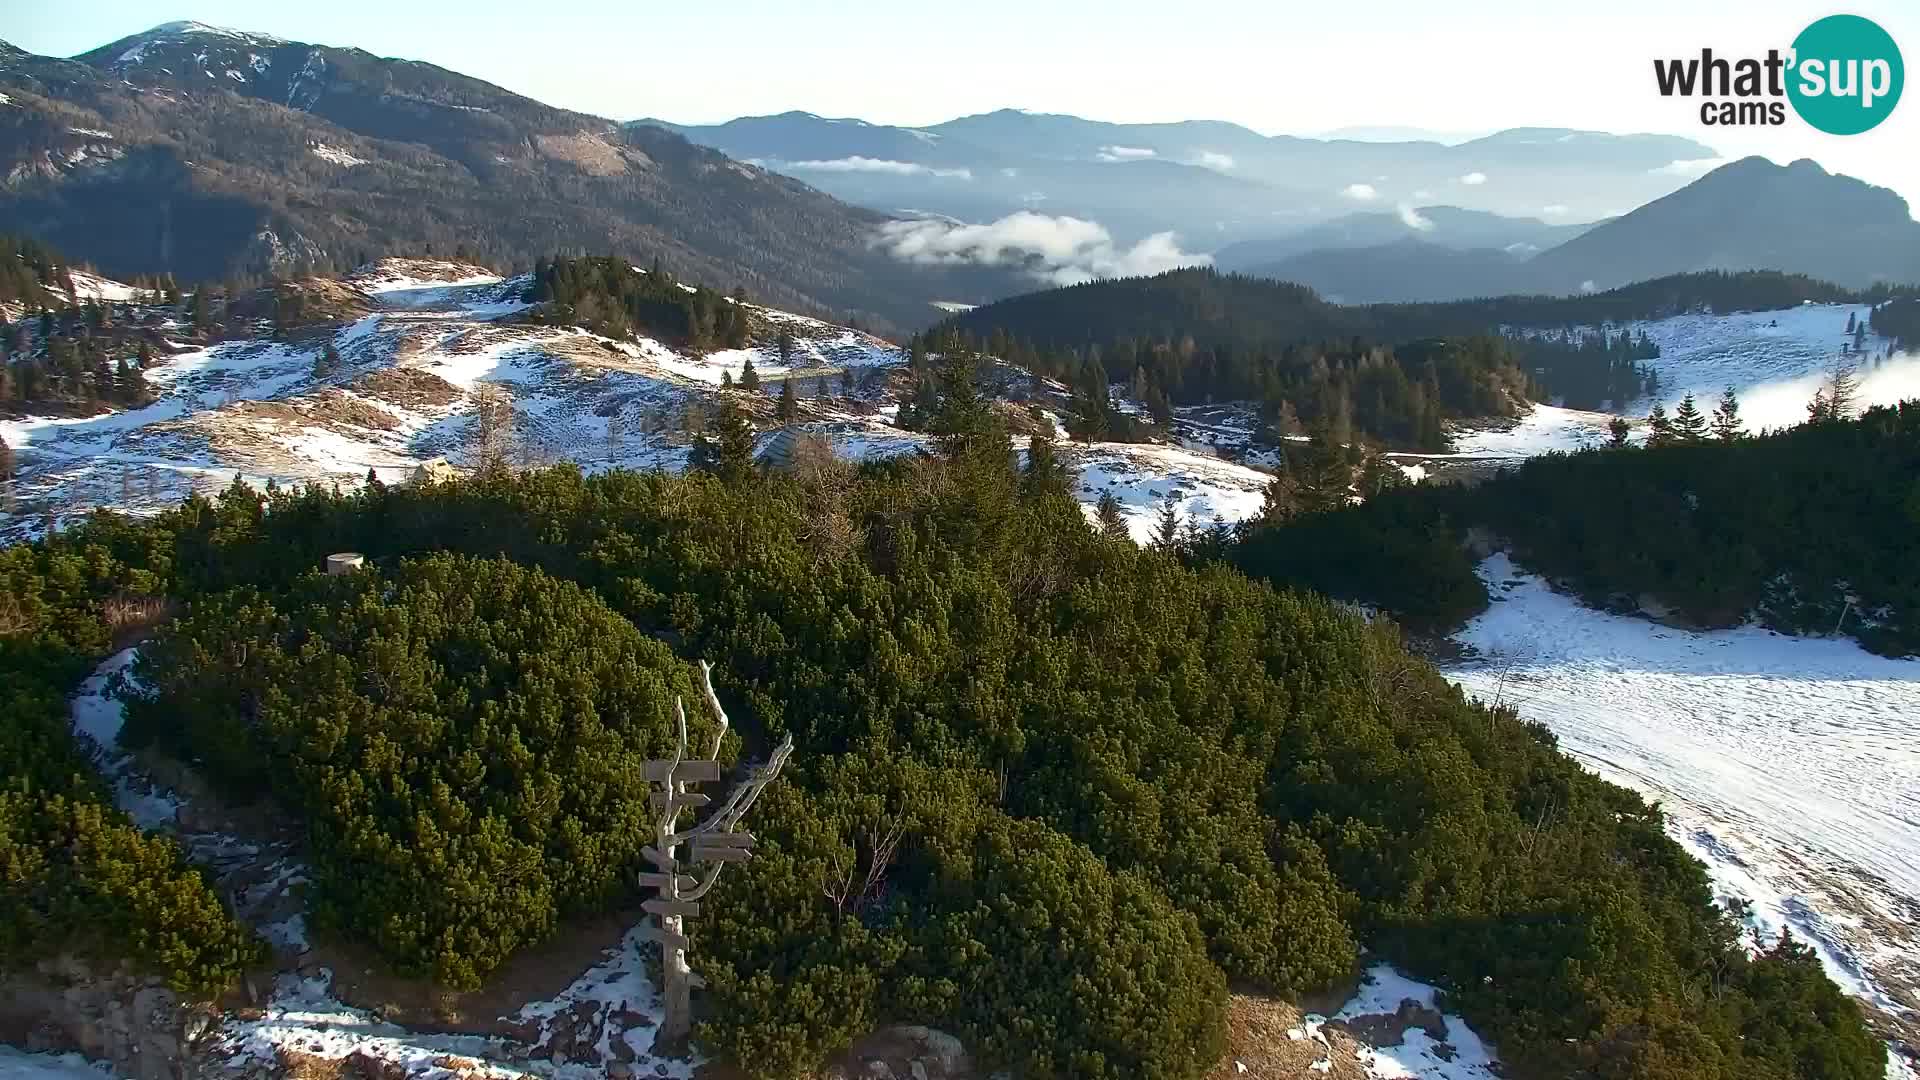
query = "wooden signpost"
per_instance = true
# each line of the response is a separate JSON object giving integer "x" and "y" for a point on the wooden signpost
{"x": 714, "y": 843}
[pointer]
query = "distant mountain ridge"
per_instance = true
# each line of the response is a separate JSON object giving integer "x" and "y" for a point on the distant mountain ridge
{"x": 1748, "y": 215}
{"x": 994, "y": 163}
{"x": 207, "y": 152}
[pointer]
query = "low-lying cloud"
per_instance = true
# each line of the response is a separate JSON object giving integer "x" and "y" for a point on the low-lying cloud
{"x": 1474, "y": 179}
{"x": 874, "y": 165}
{"x": 1359, "y": 192}
{"x": 1125, "y": 153}
{"x": 1055, "y": 249}
{"x": 1689, "y": 167}
{"x": 1414, "y": 219}
{"x": 1208, "y": 159}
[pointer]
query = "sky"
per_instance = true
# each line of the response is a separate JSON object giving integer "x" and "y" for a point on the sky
{"x": 1276, "y": 67}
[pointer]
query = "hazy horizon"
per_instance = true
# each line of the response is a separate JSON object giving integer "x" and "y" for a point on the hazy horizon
{"x": 1381, "y": 64}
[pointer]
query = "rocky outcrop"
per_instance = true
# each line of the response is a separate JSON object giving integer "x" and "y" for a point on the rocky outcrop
{"x": 135, "y": 1024}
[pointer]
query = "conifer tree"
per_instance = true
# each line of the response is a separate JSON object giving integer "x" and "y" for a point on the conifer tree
{"x": 1659, "y": 428}
{"x": 1107, "y": 512}
{"x": 789, "y": 403}
{"x": 1726, "y": 416}
{"x": 1819, "y": 410}
{"x": 820, "y": 389}
{"x": 1045, "y": 475}
{"x": 6, "y": 461}
{"x": 200, "y": 311}
{"x": 1689, "y": 423}
{"x": 1166, "y": 527}
{"x": 726, "y": 379}
{"x": 728, "y": 451}
{"x": 1617, "y": 431}
{"x": 846, "y": 382}
{"x": 784, "y": 342}
{"x": 749, "y": 378}
{"x": 1843, "y": 391}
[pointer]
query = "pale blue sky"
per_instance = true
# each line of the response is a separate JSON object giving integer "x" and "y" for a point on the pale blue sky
{"x": 1276, "y": 67}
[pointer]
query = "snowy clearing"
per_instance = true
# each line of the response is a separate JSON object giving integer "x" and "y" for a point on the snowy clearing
{"x": 1789, "y": 766}
{"x": 1205, "y": 489}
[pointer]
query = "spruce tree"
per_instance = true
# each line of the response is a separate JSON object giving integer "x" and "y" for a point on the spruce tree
{"x": 1112, "y": 522}
{"x": 1726, "y": 416}
{"x": 749, "y": 378}
{"x": 726, "y": 379}
{"x": 1167, "y": 525}
{"x": 1045, "y": 475}
{"x": 846, "y": 382}
{"x": 1689, "y": 423}
{"x": 6, "y": 461}
{"x": 789, "y": 403}
{"x": 1659, "y": 428}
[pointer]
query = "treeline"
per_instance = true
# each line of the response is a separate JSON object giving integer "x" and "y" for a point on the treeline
{"x": 1053, "y": 792}
{"x": 1196, "y": 335}
{"x": 1352, "y": 389}
{"x": 1898, "y": 319}
{"x": 28, "y": 270}
{"x": 613, "y": 297}
{"x": 1591, "y": 369}
{"x": 82, "y": 355}
{"x": 1808, "y": 530}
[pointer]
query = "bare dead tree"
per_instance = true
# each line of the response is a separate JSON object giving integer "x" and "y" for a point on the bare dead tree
{"x": 881, "y": 842}
{"x": 713, "y": 843}
{"x": 493, "y": 425}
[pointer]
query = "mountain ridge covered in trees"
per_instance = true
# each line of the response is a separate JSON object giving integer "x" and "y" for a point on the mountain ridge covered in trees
{"x": 1115, "y": 783}
{"x": 146, "y": 158}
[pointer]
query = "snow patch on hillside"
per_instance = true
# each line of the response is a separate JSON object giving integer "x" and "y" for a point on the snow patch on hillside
{"x": 1461, "y": 1055}
{"x": 337, "y": 156}
{"x": 97, "y": 718}
{"x": 1772, "y": 359}
{"x": 1790, "y": 766}
{"x": 1546, "y": 428}
{"x": 20, "y": 1065}
{"x": 1206, "y": 490}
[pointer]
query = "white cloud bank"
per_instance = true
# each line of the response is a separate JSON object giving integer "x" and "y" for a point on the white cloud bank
{"x": 1359, "y": 192}
{"x": 1689, "y": 167}
{"x": 1414, "y": 219}
{"x": 1055, "y": 249}
{"x": 1208, "y": 159}
{"x": 873, "y": 165}
{"x": 1474, "y": 179}
{"x": 1124, "y": 153}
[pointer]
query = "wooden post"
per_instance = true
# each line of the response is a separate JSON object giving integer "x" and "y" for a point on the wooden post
{"x": 714, "y": 842}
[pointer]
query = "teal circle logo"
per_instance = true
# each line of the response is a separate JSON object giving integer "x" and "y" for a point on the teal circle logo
{"x": 1846, "y": 76}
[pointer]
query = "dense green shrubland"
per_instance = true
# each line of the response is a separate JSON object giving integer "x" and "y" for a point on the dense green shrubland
{"x": 1110, "y": 784}
{"x": 75, "y": 874}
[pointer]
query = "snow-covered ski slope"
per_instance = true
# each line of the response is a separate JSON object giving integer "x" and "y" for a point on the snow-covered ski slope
{"x": 1774, "y": 360}
{"x": 1789, "y": 766}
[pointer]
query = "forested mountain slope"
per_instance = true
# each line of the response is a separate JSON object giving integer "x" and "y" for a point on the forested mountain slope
{"x": 207, "y": 153}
